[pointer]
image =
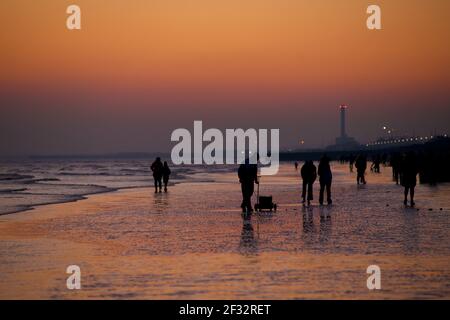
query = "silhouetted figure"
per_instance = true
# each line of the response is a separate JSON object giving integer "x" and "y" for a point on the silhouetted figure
{"x": 166, "y": 173}
{"x": 351, "y": 162}
{"x": 248, "y": 176}
{"x": 361, "y": 166}
{"x": 309, "y": 175}
{"x": 296, "y": 165}
{"x": 384, "y": 158}
{"x": 157, "y": 168}
{"x": 325, "y": 177}
{"x": 409, "y": 172}
{"x": 395, "y": 164}
{"x": 431, "y": 167}
{"x": 376, "y": 161}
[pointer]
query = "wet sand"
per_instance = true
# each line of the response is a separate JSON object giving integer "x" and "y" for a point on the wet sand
{"x": 192, "y": 243}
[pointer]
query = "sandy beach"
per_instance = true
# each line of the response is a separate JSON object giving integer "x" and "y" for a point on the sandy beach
{"x": 192, "y": 243}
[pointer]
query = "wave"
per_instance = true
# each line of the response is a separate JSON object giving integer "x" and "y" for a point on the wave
{"x": 83, "y": 174}
{"x": 12, "y": 190}
{"x": 14, "y": 176}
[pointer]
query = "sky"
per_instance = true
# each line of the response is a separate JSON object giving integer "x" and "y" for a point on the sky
{"x": 139, "y": 69}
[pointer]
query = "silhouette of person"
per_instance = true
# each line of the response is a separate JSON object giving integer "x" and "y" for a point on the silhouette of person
{"x": 395, "y": 164}
{"x": 165, "y": 174}
{"x": 361, "y": 166}
{"x": 309, "y": 175}
{"x": 351, "y": 162}
{"x": 409, "y": 172}
{"x": 376, "y": 161}
{"x": 248, "y": 176}
{"x": 296, "y": 165}
{"x": 157, "y": 168}
{"x": 325, "y": 177}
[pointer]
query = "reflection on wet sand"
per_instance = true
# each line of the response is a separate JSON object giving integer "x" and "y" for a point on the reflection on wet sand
{"x": 161, "y": 202}
{"x": 193, "y": 243}
{"x": 248, "y": 244}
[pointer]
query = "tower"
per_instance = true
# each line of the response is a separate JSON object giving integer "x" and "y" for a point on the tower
{"x": 344, "y": 142}
{"x": 343, "y": 109}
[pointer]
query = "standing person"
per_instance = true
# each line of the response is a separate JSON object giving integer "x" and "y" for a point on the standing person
{"x": 296, "y": 165}
{"x": 325, "y": 177}
{"x": 165, "y": 174}
{"x": 361, "y": 166}
{"x": 395, "y": 164}
{"x": 409, "y": 172}
{"x": 377, "y": 163}
{"x": 309, "y": 175}
{"x": 351, "y": 162}
{"x": 248, "y": 176}
{"x": 157, "y": 168}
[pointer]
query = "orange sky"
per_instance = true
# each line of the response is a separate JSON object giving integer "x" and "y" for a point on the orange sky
{"x": 236, "y": 49}
{"x": 284, "y": 43}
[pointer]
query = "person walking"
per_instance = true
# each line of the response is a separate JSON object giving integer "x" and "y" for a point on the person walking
{"x": 248, "y": 176}
{"x": 325, "y": 178}
{"x": 409, "y": 172}
{"x": 395, "y": 164}
{"x": 361, "y": 166}
{"x": 157, "y": 168}
{"x": 165, "y": 174}
{"x": 309, "y": 175}
{"x": 351, "y": 162}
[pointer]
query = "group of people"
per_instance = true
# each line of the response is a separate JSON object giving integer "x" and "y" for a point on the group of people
{"x": 161, "y": 173}
{"x": 248, "y": 177}
{"x": 309, "y": 174}
{"x": 405, "y": 171}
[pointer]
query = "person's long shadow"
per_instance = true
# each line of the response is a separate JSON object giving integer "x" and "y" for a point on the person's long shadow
{"x": 248, "y": 244}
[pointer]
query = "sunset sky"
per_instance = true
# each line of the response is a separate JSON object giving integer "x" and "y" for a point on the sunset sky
{"x": 139, "y": 69}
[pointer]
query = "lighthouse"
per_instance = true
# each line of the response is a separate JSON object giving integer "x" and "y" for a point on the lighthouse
{"x": 343, "y": 141}
{"x": 342, "y": 110}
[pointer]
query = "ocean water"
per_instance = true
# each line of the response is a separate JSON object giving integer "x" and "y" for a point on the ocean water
{"x": 193, "y": 242}
{"x": 26, "y": 184}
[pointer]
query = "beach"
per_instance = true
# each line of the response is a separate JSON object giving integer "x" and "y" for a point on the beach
{"x": 193, "y": 243}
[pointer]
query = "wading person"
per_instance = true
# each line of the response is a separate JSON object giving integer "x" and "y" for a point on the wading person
{"x": 309, "y": 175}
{"x": 157, "y": 168}
{"x": 325, "y": 177}
{"x": 166, "y": 174}
{"x": 248, "y": 176}
{"x": 409, "y": 173}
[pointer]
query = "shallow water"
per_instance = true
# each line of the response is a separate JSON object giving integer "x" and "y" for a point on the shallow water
{"x": 27, "y": 183}
{"x": 193, "y": 242}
